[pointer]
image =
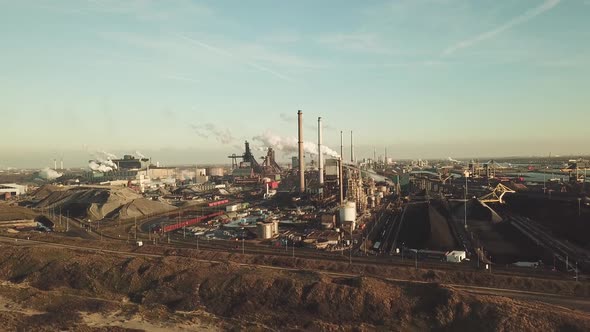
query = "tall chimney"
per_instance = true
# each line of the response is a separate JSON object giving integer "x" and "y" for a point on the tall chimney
{"x": 374, "y": 156}
{"x": 341, "y": 146}
{"x": 385, "y": 160}
{"x": 320, "y": 156}
{"x": 62, "y": 164}
{"x": 341, "y": 176}
{"x": 351, "y": 149}
{"x": 54, "y": 163}
{"x": 301, "y": 160}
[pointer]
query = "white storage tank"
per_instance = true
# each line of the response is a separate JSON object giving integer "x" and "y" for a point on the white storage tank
{"x": 264, "y": 230}
{"x": 348, "y": 212}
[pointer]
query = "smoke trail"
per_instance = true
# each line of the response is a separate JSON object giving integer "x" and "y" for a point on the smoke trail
{"x": 207, "y": 130}
{"x": 289, "y": 144}
{"x": 139, "y": 155}
{"x": 49, "y": 174}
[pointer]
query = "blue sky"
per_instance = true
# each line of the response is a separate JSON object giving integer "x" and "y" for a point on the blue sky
{"x": 189, "y": 81}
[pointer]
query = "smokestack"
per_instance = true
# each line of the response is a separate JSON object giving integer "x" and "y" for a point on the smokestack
{"x": 385, "y": 160}
{"x": 320, "y": 157}
{"x": 301, "y": 157}
{"x": 340, "y": 175}
{"x": 54, "y": 163}
{"x": 374, "y": 155}
{"x": 351, "y": 149}
{"x": 62, "y": 164}
{"x": 341, "y": 146}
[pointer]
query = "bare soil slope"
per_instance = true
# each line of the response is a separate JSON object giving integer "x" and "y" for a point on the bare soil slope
{"x": 256, "y": 298}
{"x": 96, "y": 203}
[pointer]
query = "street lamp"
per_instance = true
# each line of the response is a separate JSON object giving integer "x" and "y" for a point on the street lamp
{"x": 403, "y": 245}
{"x": 465, "y": 200}
{"x": 579, "y": 206}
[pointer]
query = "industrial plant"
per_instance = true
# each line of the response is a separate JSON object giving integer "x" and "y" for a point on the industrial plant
{"x": 513, "y": 216}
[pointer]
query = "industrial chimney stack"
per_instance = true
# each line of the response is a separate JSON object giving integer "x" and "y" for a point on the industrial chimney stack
{"x": 301, "y": 160}
{"x": 320, "y": 156}
{"x": 351, "y": 148}
{"x": 341, "y": 145}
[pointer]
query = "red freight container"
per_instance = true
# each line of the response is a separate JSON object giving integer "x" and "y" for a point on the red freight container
{"x": 217, "y": 203}
{"x": 169, "y": 228}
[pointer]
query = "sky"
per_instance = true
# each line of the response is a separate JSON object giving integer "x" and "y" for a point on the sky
{"x": 189, "y": 81}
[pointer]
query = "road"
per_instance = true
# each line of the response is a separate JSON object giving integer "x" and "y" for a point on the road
{"x": 569, "y": 302}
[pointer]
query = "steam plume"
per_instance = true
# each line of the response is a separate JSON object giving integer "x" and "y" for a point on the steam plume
{"x": 49, "y": 174}
{"x": 289, "y": 144}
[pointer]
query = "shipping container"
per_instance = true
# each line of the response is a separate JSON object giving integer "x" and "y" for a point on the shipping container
{"x": 169, "y": 228}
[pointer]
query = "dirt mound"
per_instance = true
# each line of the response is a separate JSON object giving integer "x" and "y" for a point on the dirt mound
{"x": 301, "y": 302}
{"x": 45, "y": 191}
{"x": 96, "y": 203}
{"x": 277, "y": 300}
{"x": 16, "y": 213}
{"x": 441, "y": 237}
{"x": 142, "y": 207}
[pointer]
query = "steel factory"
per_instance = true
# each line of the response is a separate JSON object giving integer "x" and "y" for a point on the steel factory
{"x": 478, "y": 213}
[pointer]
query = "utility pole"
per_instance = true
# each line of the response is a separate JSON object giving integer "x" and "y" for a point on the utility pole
{"x": 135, "y": 228}
{"x": 197, "y": 242}
{"x": 579, "y": 206}
{"x": 403, "y": 245}
{"x": 465, "y": 200}
{"x": 350, "y": 253}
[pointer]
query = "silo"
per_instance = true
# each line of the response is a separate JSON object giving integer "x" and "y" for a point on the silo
{"x": 264, "y": 230}
{"x": 348, "y": 212}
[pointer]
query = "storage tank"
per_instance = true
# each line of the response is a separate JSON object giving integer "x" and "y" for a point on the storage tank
{"x": 201, "y": 172}
{"x": 264, "y": 230}
{"x": 348, "y": 212}
{"x": 215, "y": 171}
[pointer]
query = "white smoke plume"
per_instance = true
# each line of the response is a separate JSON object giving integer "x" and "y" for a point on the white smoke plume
{"x": 97, "y": 166}
{"x": 49, "y": 174}
{"x": 207, "y": 130}
{"x": 289, "y": 144}
{"x": 102, "y": 162}
{"x": 139, "y": 155}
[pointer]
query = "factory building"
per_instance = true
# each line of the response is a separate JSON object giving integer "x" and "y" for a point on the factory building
{"x": 130, "y": 162}
{"x": 268, "y": 229}
{"x": 201, "y": 176}
{"x": 215, "y": 171}
{"x": 8, "y": 190}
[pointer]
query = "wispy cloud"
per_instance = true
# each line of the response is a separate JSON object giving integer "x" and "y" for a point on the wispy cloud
{"x": 527, "y": 16}
{"x": 182, "y": 78}
{"x": 237, "y": 58}
{"x": 357, "y": 42}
